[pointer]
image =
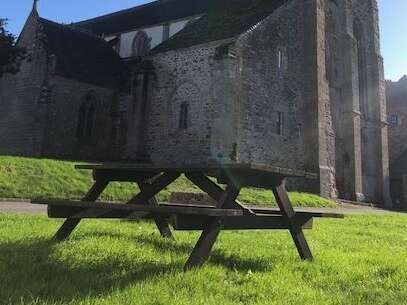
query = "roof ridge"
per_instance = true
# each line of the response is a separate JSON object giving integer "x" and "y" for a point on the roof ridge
{"x": 130, "y": 9}
{"x": 81, "y": 55}
{"x": 74, "y": 29}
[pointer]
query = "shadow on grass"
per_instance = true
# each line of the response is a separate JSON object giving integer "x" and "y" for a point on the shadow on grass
{"x": 218, "y": 257}
{"x": 31, "y": 273}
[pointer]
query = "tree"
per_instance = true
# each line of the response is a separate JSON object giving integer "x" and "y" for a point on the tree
{"x": 10, "y": 53}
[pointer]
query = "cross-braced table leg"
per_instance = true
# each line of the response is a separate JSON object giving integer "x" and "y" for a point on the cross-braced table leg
{"x": 160, "y": 221}
{"x": 212, "y": 189}
{"x": 295, "y": 229}
{"x": 70, "y": 224}
{"x": 202, "y": 249}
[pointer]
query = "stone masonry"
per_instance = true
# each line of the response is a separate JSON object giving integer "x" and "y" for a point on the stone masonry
{"x": 299, "y": 87}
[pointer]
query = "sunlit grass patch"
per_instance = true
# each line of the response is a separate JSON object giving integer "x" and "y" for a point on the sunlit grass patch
{"x": 358, "y": 260}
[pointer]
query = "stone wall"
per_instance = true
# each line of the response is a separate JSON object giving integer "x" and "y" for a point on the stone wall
{"x": 396, "y": 93}
{"x": 270, "y": 98}
{"x": 20, "y": 96}
{"x": 61, "y": 121}
{"x": 374, "y": 146}
{"x": 183, "y": 76}
{"x": 39, "y": 110}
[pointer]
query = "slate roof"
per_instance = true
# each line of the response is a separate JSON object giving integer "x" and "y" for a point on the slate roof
{"x": 82, "y": 56}
{"x": 145, "y": 15}
{"x": 225, "y": 19}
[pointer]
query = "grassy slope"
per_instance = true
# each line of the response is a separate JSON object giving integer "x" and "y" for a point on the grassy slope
{"x": 30, "y": 178}
{"x": 359, "y": 260}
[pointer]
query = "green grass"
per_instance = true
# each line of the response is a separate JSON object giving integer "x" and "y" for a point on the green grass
{"x": 32, "y": 178}
{"x": 358, "y": 260}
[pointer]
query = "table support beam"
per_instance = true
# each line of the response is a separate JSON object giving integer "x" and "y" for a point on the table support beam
{"x": 203, "y": 247}
{"x": 212, "y": 189}
{"x": 70, "y": 224}
{"x": 295, "y": 228}
{"x": 160, "y": 221}
{"x": 152, "y": 189}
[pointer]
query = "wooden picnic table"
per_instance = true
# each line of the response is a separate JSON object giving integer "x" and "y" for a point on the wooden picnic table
{"x": 227, "y": 214}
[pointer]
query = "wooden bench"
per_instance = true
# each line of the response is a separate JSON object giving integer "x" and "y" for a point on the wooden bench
{"x": 227, "y": 214}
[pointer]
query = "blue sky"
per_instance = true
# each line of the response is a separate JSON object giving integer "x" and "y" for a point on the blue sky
{"x": 393, "y": 22}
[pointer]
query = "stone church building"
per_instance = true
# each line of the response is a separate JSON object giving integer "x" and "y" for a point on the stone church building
{"x": 396, "y": 94}
{"x": 290, "y": 83}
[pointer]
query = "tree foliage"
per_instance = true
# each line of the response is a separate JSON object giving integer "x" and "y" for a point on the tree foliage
{"x": 10, "y": 53}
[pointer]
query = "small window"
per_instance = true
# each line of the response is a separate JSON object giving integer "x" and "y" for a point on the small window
{"x": 166, "y": 32}
{"x": 90, "y": 120}
{"x": 86, "y": 117}
{"x": 280, "y": 123}
{"x": 183, "y": 117}
{"x": 282, "y": 59}
{"x": 122, "y": 129}
{"x": 141, "y": 44}
{"x": 81, "y": 121}
{"x": 393, "y": 119}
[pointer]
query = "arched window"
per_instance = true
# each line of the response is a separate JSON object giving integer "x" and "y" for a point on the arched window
{"x": 282, "y": 59}
{"x": 81, "y": 121}
{"x": 122, "y": 129}
{"x": 362, "y": 73}
{"x": 183, "y": 116}
{"x": 90, "y": 120}
{"x": 86, "y": 117}
{"x": 141, "y": 44}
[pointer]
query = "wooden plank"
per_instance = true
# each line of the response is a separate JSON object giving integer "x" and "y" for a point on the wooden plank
{"x": 287, "y": 210}
{"x": 230, "y": 167}
{"x": 153, "y": 189}
{"x": 71, "y": 223}
{"x": 312, "y": 212}
{"x": 193, "y": 223}
{"x": 300, "y": 212}
{"x": 160, "y": 209}
{"x": 82, "y": 213}
{"x": 122, "y": 175}
{"x": 203, "y": 247}
{"x": 213, "y": 190}
{"x": 161, "y": 221}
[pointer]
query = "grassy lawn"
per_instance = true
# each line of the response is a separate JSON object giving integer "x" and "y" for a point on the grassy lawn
{"x": 359, "y": 260}
{"x": 31, "y": 178}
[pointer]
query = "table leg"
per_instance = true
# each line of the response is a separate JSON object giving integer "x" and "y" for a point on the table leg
{"x": 295, "y": 229}
{"x": 160, "y": 221}
{"x": 203, "y": 247}
{"x": 153, "y": 188}
{"x": 212, "y": 189}
{"x": 70, "y": 224}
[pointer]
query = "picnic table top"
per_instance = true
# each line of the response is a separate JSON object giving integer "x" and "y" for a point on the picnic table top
{"x": 243, "y": 168}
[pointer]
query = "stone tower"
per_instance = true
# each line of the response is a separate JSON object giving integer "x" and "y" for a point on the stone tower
{"x": 353, "y": 144}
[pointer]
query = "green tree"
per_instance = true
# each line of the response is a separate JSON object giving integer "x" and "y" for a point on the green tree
{"x": 10, "y": 53}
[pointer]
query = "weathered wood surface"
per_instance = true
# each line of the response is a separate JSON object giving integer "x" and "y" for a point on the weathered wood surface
{"x": 212, "y": 228}
{"x": 227, "y": 214}
{"x": 156, "y": 209}
{"x": 209, "y": 168}
{"x": 70, "y": 224}
{"x": 161, "y": 221}
{"x": 269, "y": 222}
{"x": 212, "y": 189}
{"x": 295, "y": 229}
{"x": 100, "y": 210}
{"x": 150, "y": 190}
{"x": 298, "y": 212}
